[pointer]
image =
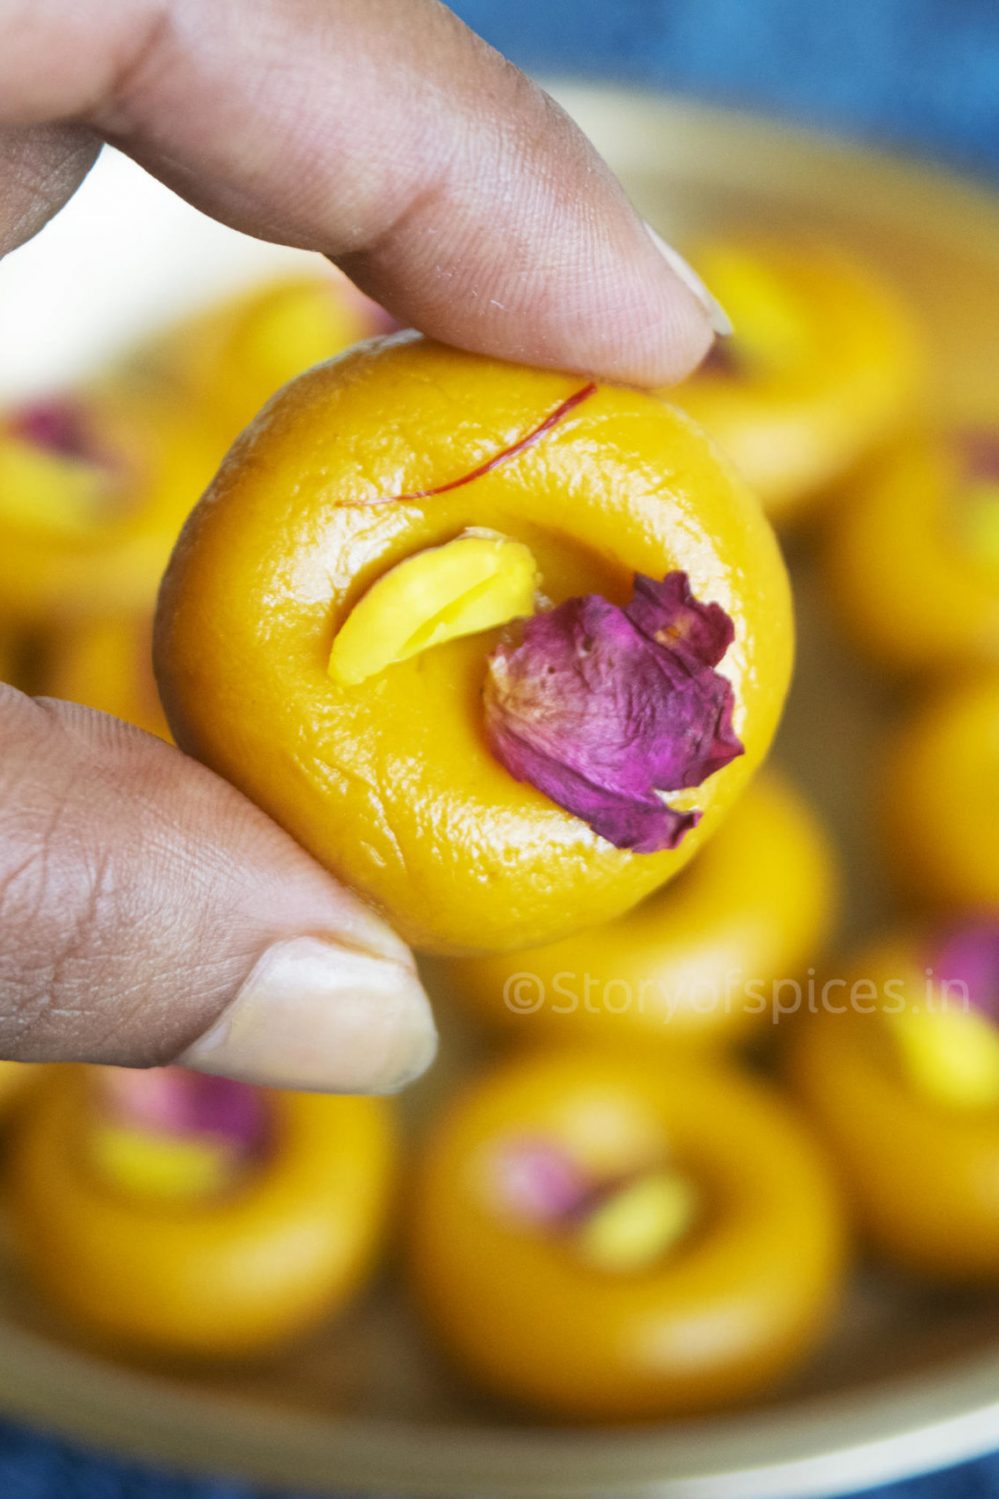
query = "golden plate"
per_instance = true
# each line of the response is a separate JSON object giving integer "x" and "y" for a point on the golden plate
{"x": 910, "y": 1380}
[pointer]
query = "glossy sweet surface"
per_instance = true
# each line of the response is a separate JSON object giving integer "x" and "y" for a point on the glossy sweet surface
{"x": 733, "y": 1303}
{"x": 912, "y": 568}
{"x": 825, "y": 362}
{"x": 921, "y": 1171}
{"x": 939, "y": 793}
{"x": 693, "y": 963}
{"x": 209, "y": 1277}
{"x": 399, "y": 446}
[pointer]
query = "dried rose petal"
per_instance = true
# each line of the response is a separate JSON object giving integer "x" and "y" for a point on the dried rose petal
{"x": 58, "y": 425}
{"x": 979, "y": 450}
{"x": 603, "y": 708}
{"x": 536, "y": 1182}
{"x": 965, "y": 959}
{"x": 170, "y": 1101}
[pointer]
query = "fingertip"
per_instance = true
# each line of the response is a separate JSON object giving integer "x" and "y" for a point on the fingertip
{"x": 315, "y": 1016}
{"x": 718, "y": 318}
{"x": 644, "y": 316}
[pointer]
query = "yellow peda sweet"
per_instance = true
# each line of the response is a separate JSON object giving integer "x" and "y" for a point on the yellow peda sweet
{"x": 824, "y": 364}
{"x": 912, "y": 557}
{"x": 695, "y": 963}
{"x": 460, "y": 789}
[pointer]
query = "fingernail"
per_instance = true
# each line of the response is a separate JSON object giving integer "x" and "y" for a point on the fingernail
{"x": 317, "y": 1017}
{"x": 721, "y": 323}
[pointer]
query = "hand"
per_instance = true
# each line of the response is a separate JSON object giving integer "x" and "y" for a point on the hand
{"x": 148, "y": 912}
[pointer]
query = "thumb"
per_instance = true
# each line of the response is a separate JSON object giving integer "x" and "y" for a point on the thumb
{"x": 148, "y": 913}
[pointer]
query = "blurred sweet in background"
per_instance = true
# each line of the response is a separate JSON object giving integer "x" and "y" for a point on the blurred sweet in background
{"x": 938, "y": 786}
{"x": 15, "y": 1079}
{"x": 167, "y": 1212}
{"x": 825, "y": 363}
{"x": 931, "y": 505}
{"x": 581, "y": 1221}
{"x": 105, "y": 661}
{"x": 94, "y": 487}
{"x": 227, "y": 360}
{"x": 901, "y": 1076}
{"x": 693, "y": 964}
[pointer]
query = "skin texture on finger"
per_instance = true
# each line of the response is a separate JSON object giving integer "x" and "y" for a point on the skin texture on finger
{"x": 386, "y": 135}
{"x": 149, "y": 913}
{"x": 40, "y": 169}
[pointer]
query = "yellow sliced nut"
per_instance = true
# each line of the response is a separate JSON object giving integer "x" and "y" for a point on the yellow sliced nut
{"x": 982, "y": 524}
{"x": 158, "y": 1168}
{"x": 950, "y": 1054}
{"x": 771, "y": 330}
{"x": 473, "y": 583}
{"x": 638, "y": 1226}
{"x": 44, "y": 492}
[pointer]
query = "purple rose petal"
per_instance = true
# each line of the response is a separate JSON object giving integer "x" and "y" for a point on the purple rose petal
{"x": 536, "y": 1182}
{"x": 174, "y": 1102}
{"x": 57, "y": 425}
{"x": 979, "y": 450}
{"x": 966, "y": 957}
{"x": 603, "y": 708}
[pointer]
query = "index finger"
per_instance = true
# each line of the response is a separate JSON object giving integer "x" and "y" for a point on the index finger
{"x": 388, "y": 136}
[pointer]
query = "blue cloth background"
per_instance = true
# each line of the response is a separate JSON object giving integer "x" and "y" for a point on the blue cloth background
{"x": 916, "y": 73}
{"x": 922, "y": 74}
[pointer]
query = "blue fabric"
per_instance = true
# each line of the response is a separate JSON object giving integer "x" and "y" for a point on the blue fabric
{"x": 917, "y": 73}
{"x": 33, "y": 1466}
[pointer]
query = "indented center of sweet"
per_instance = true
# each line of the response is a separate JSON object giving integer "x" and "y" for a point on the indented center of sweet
{"x": 54, "y": 475}
{"x": 769, "y": 321}
{"x": 479, "y": 580}
{"x": 950, "y": 1055}
{"x": 172, "y": 1136}
{"x": 978, "y": 512}
{"x": 981, "y": 525}
{"x": 949, "y": 1043}
{"x": 620, "y": 1225}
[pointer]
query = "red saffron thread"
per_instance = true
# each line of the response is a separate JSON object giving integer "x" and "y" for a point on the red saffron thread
{"x": 515, "y": 448}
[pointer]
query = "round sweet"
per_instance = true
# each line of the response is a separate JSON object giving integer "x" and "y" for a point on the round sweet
{"x": 94, "y": 488}
{"x": 24, "y": 657}
{"x": 15, "y": 1080}
{"x": 8, "y": 658}
{"x": 106, "y": 662}
{"x": 388, "y": 453}
{"x": 939, "y": 790}
{"x": 695, "y": 963}
{"x": 824, "y": 364}
{"x": 226, "y": 361}
{"x": 225, "y": 1277}
{"x": 580, "y": 1219}
{"x": 928, "y": 507}
{"x": 920, "y": 1168}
